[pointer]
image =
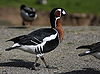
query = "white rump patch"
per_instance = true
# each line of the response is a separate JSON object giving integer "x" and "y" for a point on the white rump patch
{"x": 87, "y": 52}
{"x": 16, "y": 44}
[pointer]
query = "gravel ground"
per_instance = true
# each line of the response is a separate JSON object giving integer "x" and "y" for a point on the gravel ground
{"x": 63, "y": 60}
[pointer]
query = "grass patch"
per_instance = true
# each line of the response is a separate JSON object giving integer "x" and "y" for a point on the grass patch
{"x": 81, "y": 6}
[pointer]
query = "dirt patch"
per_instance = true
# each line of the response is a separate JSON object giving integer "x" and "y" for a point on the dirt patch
{"x": 12, "y": 16}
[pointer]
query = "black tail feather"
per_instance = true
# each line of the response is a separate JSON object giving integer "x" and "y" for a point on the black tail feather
{"x": 23, "y": 23}
{"x": 8, "y": 49}
{"x": 84, "y": 47}
{"x": 16, "y": 39}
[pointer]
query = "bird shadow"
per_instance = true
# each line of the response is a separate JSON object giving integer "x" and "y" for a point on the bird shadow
{"x": 18, "y": 27}
{"x": 18, "y": 63}
{"x": 83, "y": 71}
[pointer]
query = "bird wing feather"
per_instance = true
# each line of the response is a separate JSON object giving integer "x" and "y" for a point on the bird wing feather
{"x": 33, "y": 38}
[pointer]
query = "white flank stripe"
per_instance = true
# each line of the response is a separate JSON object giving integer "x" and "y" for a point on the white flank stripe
{"x": 50, "y": 38}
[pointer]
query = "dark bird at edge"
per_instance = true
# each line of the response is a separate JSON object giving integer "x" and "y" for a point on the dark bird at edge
{"x": 94, "y": 49}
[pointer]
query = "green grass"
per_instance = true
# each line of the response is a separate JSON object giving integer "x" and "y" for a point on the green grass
{"x": 72, "y": 6}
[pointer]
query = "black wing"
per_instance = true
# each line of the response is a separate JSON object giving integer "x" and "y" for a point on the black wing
{"x": 25, "y": 40}
{"x": 35, "y": 37}
{"x": 95, "y": 47}
{"x": 27, "y": 9}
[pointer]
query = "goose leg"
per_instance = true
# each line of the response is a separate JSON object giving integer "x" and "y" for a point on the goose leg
{"x": 33, "y": 68}
{"x": 42, "y": 58}
{"x": 23, "y": 23}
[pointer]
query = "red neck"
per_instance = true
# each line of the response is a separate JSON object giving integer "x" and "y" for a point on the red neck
{"x": 60, "y": 29}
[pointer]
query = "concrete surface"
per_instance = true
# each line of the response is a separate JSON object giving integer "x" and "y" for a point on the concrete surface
{"x": 63, "y": 60}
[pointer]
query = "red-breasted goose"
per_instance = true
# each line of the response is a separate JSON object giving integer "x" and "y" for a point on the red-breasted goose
{"x": 42, "y": 40}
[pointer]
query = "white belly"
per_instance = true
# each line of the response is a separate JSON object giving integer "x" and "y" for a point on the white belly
{"x": 33, "y": 48}
{"x": 29, "y": 49}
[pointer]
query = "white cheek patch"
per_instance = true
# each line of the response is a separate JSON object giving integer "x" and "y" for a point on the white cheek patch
{"x": 63, "y": 12}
